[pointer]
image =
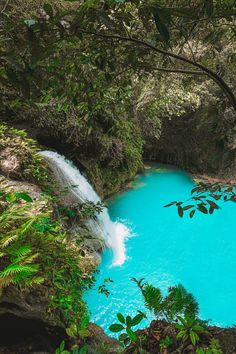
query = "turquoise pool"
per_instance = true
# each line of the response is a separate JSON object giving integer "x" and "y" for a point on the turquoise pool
{"x": 199, "y": 253}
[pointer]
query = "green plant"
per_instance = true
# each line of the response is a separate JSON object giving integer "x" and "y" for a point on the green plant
{"x": 34, "y": 250}
{"x": 102, "y": 289}
{"x": 177, "y": 302}
{"x": 214, "y": 348}
{"x": 19, "y": 256}
{"x": 189, "y": 329}
{"x": 166, "y": 342}
{"x": 14, "y": 196}
{"x": 61, "y": 349}
{"x": 126, "y": 325}
{"x": 80, "y": 329}
{"x": 75, "y": 350}
{"x": 204, "y": 198}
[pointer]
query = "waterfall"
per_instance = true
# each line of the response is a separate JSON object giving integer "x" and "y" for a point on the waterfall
{"x": 114, "y": 233}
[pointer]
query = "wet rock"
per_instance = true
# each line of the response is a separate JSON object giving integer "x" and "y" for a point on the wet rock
{"x": 98, "y": 340}
{"x": 16, "y": 186}
{"x": 27, "y": 304}
{"x": 10, "y": 164}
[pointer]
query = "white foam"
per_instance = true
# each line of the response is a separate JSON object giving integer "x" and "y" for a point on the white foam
{"x": 114, "y": 233}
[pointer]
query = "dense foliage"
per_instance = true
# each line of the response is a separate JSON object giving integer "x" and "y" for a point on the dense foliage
{"x": 177, "y": 327}
{"x": 33, "y": 248}
{"x": 37, "y": 254}
{"x": 109, "y": 82}
{"x": 105, "y": 77}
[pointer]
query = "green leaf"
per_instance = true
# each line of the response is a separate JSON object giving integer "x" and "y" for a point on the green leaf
{"x": 10, "y": 197}
{"x": 213, "y": 204}
{"x": 182, "y": 320}
{"x": 193, "y": 338}
{"x": 85, "y": 321}
{"x": 202, "y": 208}
{"x": 48, "y": 9}
{"x": 198, "y": 328}
{"x": 24, "y": 196}
{"x": 215, "y": 196}
{"x": 160, "y": 24}
{"x": 62, "y": 346}
{"x": 121, "y": 318}
{"x": 133, "y": 337}
{"x": 170, "y": 204}
{"x": 71, "y": 331}
{"x": 188, "y": 207}
{"x": 180, "y": 334}
{"x": 211, "y": 210}
{"x": 137, "y": 319}
{"x": 84, "y": 333}
{"x": 180, "y": 211}
{"x": 83, "y": 350}
{"x": 128, "y": 321}
{"x": 116, "y": 327}
{"x": 196, "y": 189}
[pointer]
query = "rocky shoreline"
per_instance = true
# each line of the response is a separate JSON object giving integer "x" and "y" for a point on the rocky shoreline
{"x": 212, "y": 179}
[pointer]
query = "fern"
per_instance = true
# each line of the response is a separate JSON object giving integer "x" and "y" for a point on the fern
{"x": 177, "y": 302}
{"x": 6, "y": 281}
{"x": 152, "y": 298}
{"x": 180, "y": 301}
{"x": 21, "y": 251}
{"x": 29, "y": 260}
{"x": 26, "y": 227}
{"x": 33, "y": 281}
{"x": 8, "y": 240}
{"x": 19, "y": 268}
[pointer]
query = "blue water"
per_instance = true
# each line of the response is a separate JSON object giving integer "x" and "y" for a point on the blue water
{"x": 199, "y": 253}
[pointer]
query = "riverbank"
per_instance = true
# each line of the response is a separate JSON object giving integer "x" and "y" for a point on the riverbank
{"x": 212, "y": 179}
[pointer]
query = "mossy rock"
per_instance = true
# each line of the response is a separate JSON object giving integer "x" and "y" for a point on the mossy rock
{"x": 19, "y": 158}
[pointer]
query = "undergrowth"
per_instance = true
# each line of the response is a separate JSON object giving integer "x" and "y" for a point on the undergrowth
{"x": 34, "y": 250}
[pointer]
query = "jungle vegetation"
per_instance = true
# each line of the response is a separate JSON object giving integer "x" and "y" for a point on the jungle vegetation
{"x": 105, "y": 77}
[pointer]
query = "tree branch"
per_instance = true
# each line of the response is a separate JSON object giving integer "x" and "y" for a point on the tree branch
{"x": 218, "y": 80}
{"x": 179, "y": 71}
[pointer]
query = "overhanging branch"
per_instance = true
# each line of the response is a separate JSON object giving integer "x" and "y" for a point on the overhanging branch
{"x": 218, "y": 80}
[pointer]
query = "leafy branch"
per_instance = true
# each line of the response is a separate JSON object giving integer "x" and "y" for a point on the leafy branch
{"x": 205, "y": 198}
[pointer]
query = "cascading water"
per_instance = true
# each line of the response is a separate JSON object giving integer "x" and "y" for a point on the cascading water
{"x": 114, "y": 233}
